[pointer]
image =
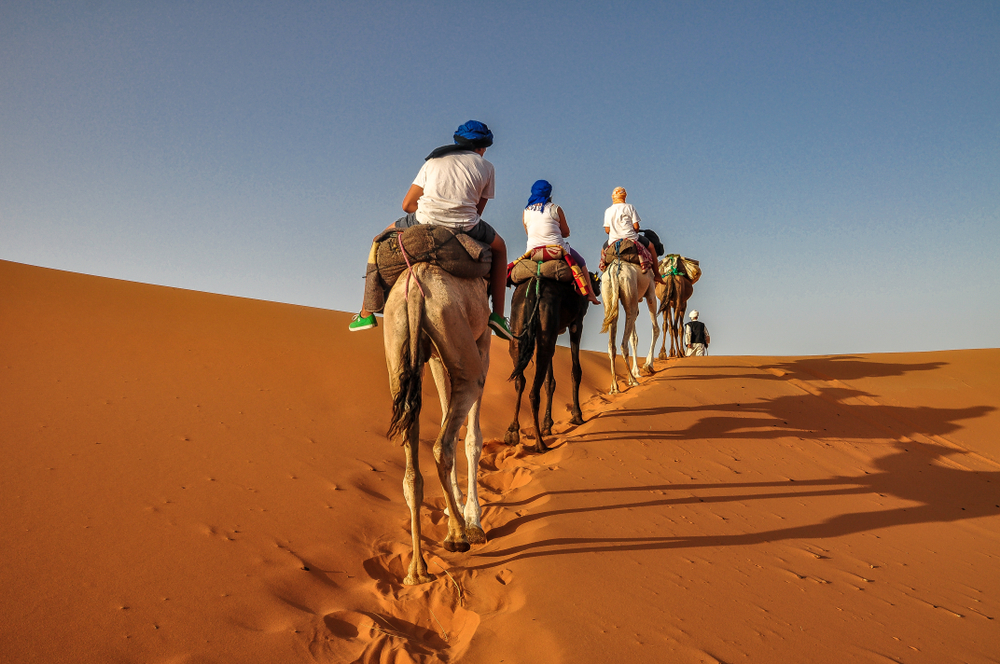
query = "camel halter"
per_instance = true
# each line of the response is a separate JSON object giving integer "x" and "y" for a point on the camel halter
{"x": 409, "y": 267}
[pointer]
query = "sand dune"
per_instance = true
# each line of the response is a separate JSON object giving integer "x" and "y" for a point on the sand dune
{"x": 198, "y": 478}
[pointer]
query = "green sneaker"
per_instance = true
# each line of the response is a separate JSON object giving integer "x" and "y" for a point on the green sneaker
{"x": 359, "y": 323}
{"x": 499, "y": 326}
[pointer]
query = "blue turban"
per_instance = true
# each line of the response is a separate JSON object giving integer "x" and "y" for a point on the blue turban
{"x": 474, "y": 134}
{"x": 541, "y": 193}
{"x": 470, "y": 136}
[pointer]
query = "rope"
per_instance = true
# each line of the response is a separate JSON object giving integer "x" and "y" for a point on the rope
{"x": 409, "y": 268}
{"x": 534, "y": 310}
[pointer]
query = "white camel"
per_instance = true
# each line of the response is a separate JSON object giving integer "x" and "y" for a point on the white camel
{"x": 434, "y": 316}
{"x": 624, "y": 282}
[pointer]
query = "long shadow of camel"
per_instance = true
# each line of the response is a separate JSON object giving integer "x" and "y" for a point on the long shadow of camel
{"x": 942, "y": 494}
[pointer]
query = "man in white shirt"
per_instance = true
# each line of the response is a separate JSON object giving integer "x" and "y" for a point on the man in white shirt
{"x": 452, "y": 189}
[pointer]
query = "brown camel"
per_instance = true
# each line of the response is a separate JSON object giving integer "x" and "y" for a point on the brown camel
{"x": 541, "y": 310}
{"x": 674, "y": 295}
{"x": 433, "y": 316}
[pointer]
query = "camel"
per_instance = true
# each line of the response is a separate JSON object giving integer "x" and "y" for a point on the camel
{"x": 674, "y": 296}
{"x": 433, "y": 316}
{"x": 624, "y": 283}
{"x": 541, "y": 310}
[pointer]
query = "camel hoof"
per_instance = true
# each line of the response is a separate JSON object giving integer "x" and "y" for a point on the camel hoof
{"x": 577, "y": 420}
{"x": 512, "y": 437}
{"x": 475, "y": 535}
{"x": 541, "y": 448}
{"x": 417, "y": 579}
{"x": 661, "y": 356}
{"x": 459, "y": 546}
{"x": 547, "y": 429}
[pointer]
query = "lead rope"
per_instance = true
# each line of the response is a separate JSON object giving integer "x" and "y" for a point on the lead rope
{"x": 409, "y": 267}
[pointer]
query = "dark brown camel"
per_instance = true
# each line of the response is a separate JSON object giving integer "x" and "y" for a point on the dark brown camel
{"x": 541, "y": 310}
{"x": 674, "y": 295}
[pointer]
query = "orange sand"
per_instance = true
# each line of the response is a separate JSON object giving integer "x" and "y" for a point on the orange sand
{"x": 198, "y": 478}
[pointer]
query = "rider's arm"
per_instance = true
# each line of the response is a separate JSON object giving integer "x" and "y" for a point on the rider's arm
{"x": 563, "y": 226}
{"x": 481, "y": 205}
{"x": 411, "y": 198}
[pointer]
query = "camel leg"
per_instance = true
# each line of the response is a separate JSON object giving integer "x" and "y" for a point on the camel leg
{"x": 575, "y": 334}
{"x": 513, "y": 435}
{"x": 550, "y": 388}
{"x": 413, "y": 491}
{"x": 651, "y": 302}
{"x": 612, "y": 332}
{"x": 630, "y": 339}
{"x": 544, "y": 348}
{"x": 473, "y": 452}
{"x": 444, "y": 456}
{"x": 444, "y": 391}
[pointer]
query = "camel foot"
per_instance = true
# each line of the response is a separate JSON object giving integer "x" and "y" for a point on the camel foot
{"x": 512, "y": 437}
{"x": 547, "y": 428}
{"x": 456, "y": 546}
{"x": 416, "y": 579}
{"x": 541, "y": 447}
{"x": 661, "y": 356}
{"x": 475, "y": 535}
{"x": 647, "y": 370}
{"x": 577, "y": 419}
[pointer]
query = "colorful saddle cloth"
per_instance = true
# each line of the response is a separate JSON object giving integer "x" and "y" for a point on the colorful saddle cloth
{"x": 551, "y": 262}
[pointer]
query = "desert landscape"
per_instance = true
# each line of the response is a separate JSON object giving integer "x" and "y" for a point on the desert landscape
{"x": 195, "y": 478}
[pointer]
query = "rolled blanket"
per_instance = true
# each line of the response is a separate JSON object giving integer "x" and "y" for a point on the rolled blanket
{"x": 527, "y": 267}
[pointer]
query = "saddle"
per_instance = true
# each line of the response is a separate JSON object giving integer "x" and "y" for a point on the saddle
{"x": 629, "y": 252}
{"x": 453, "y": 251}
{"x": 548, "y": 262}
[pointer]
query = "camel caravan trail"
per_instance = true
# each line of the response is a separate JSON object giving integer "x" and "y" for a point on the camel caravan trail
{"x": 199, "y": 478}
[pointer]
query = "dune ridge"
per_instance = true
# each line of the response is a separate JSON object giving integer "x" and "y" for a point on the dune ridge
{"x": 199, "y": 478}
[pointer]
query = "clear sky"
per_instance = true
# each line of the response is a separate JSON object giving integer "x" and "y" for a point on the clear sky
{"x": 834, "y": 166}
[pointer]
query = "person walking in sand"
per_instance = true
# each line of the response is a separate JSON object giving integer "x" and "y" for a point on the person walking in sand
{"x": 545, "y": 223}
{"x": 452, "y": 189}
{"x": 696, "y": 337}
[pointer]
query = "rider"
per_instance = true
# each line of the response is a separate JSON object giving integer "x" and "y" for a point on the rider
{"x": 545, "y": 223}
{"x": 452, "y": 189}
{"x": 621, "y": 222}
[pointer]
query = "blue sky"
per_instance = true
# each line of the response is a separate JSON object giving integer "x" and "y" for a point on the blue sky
{"x": 834, "y": 166}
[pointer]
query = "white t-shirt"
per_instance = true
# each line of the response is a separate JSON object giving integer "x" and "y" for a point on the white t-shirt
{"x": 453, "y": 186}
{"x": 543, "y": 227}
{"x": 619, "y": 218}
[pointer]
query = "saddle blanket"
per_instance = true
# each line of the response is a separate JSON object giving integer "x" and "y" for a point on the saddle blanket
{"x": 455, "y": 252}
{"x": 628, "y": 251}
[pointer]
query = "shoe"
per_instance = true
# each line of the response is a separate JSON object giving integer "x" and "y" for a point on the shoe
{"x": 359, "y": 323}
{"x": 499, "y": 326}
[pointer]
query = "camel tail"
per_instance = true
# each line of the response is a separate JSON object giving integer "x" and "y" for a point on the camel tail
{"x": 668, "y": 295}
{"x": 529, "y": 334}
{"x": 611, "y": 300}
{"x": 406, "y": 403}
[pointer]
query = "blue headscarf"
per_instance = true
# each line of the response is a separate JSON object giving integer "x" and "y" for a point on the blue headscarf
{"x": 470, "y": 136}
{"x": 474, "y": 134}
{"x": 541, "y": 193}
